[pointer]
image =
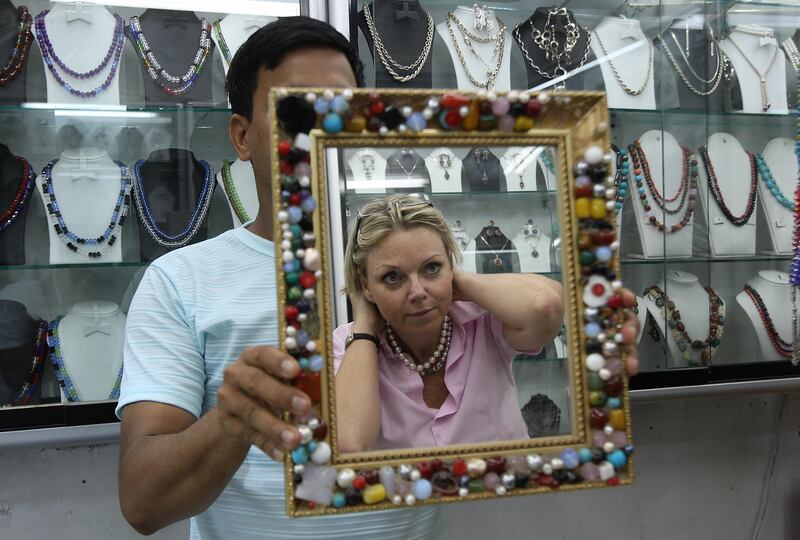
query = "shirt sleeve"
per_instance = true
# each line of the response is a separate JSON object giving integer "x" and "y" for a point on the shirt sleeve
{"x": 339, "y": 336}
{"x": 161, "y": 357}
{"x": 496, "y": 329}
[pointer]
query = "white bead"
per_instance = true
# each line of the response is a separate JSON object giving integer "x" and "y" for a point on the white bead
{"x": 291, "y": 331}
{"x": 608, "y": 157}
{"x": 616, "y": 285}
{"x": 593, "y": 155}
{"x": 283, "y": 216}
{"x": 322, "y": 454}
{"x": 547, "y": 468}
{"x": 345, "y": 477}
{"x": 482, "y": 93}
{"x": 476, "y": 467}
{"x": 288, "y": 256}
{"x": 611, "y": 193}
{"x": 606, "y": 470}
{"x": 311, "y": 97}
{"x": 463, "y": 492}
{"x": 300, "y": 253}
{"x": 601, "y": 127}
{"x": 347, "y": 93}
{"x": 311, "y": 346}
{"x": 308, "y": 294}
{"x": 556, "y": 463}
{"x": 286, "y": 245}
{"x": 491, "y": 95}
{"x": 427, "y": 113}
{"x": 383, "y": 131}
{"x": 608, "y": 447}
{"x": 290, "y": 343}
{"x": 534, "y": 461}
{"x": 287, "y": 235}
{"x": 284, "y": 226}
{"x": 305, "y": 434}
{"x": 328, "y": 94}
{"x": 611, "y": 205}
{"x": 604, "y": 374}
{"x": 433, "y": 103}
{"x": 313, "y": 423}
{"x": 402, "y": 128}
{"x": 609, "y": 182}
{"x": 599, "y": 190}
{"x": 601, "y": 337}
{"x": 608, "y": 429}
{"x": 406, "y": 111}
{"x": 619, "y": 338}
{"x": 318, "y": 274}
{"x": 397, "y": 499}
{"x": 415, "y": 475}
{"x": 283, "y": 92}
{"x": 508, "y": 480}
{"x": 312, "y": 260}
{"x": 299, "y": 468}
{"x": 302, "y": 141}
{"x": 302, "y": 317}
{"x": 513, "y": 96}
{"x": 304, "y": 181}
{"x": 404, "y": 471}
{"x": 524, "y": 97}
{"x": 544, "y": 98}
{"x": 463, "y": 111}
{"x": 501, "y": 490}
{"x": 410, "y": 500}
{"x": 614, "y": 246}
{"x": 595, "y": 362}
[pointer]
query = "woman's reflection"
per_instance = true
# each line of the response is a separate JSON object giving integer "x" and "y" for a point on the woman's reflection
{"x": 427, "y": 360}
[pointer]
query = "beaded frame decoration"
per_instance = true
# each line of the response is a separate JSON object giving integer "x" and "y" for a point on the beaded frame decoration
{"x": 305, "y": 123}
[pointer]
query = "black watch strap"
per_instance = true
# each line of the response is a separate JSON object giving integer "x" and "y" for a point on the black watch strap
{"x": 352, "y": 337}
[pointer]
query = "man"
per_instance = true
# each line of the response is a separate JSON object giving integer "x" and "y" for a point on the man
{"x": 199, "y": 358}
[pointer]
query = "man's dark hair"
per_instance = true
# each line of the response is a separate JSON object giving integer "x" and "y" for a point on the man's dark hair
{"x": 268, "y": 46}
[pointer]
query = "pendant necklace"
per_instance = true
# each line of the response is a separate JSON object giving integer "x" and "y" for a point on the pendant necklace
{"x": 782, "y": 347}
{"x": 762, "y": 77}
{"x": 20, "y": 51}
{"x": 407, "y": 172}
{"x": 468, "y": 37}
{"x": 515, "y": 159}
{"x": 445, "y": 162}
{"x": 435, "y": 362}
{"x": 460, "y": 234}
{"x": 618, "y": 77}
{"x": 367, "y": 165}
{"x": 223, "y": 45}
{"x": 769, "y": 180}
{"x": 21, "y": 197}
{"x": 497, "y": 260}
{"x": 716, "y": 192}
{"x": 482, "y": 154}
{"x": 31, "y": 383}
{"x": 233, "y": 196}
{"x": 93, "y": 247}
{"x": 531, "y": 232}
{"x": 391, "y": 65}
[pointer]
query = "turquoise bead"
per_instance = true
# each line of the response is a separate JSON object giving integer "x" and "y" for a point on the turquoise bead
{"x": 311, "y": 447}
{"x": 614, "y": 403}
{"x": 296, "y": 230}
{"x": 332, "y": 123}
{"x": 585, "y": 455}
{"x": 617, "y": 458}
{"x": 303, "y": 362}
{"x": 299, "y": 455}
{"x": 338, "y": 500}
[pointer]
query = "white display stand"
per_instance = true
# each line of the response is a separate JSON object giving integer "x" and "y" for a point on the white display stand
{"x": 440, "y": 183}
{"x": 665, "y": 158}
{"x": 550, "y": 178}
{"x": 236, "y": 28}
{"x": 759, "y": 49}
{"x": 525, "y": 246}
{"x": 81, "y": 175}
{"x": 627, "y": 46}
{"x": 733, "y": 168}
{"x": 691, "y": 299}
{"x": 773, "y": 288}
{"x": 519, "y": 165}
{"x": 467, "y": 245}
{"x": 478, "y": 70}
{"x": 641, "y": 316}
{"x": 244, "y": 182}
{"x": 81, "y": 35}
{"x": 91, "y": 337}
{"x": 782, "y": 162}
{"x": 365, "y": 180}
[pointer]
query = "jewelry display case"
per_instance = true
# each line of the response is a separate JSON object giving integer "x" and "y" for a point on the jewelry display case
{"x": 113, "y": 151}
{"x": 701, "y": 98}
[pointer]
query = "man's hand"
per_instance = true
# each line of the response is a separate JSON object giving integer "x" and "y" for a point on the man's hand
{"x": 253, "y": 395}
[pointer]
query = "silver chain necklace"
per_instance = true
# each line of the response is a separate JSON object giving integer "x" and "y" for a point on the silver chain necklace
{"x": 435, "y": 362}
{"x": 468, "y": 37}
{"x": 406, "y": 171}
{"x": 792, "y": 53}
{"x": 497, "y": 260}
{"x": 390, "y": 63}
{"x": 559, "y": 70}
{"x": 762, "y": 77}
{"x": 618, "y": 77}
{"x": 717, "y": 72}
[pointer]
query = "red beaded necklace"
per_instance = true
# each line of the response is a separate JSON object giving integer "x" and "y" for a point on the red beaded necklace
{"x": 21, "y": 197}
{"x": 641, "y": 164}
{"x": 20, "y": 51}
{"x": 713, "y": 185}
{"x": 784, "y": 348}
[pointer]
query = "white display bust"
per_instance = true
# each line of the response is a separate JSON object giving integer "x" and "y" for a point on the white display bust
{"x": 368, "y": 171}
{"x": 236, "y": 28}
{"x": 732, "y": 169}
{"x": 467, "y": 245}
{"x": 244, "y": 182}
{"x": 629, "y": 50}
{"x": 91, "y": 337}
{"x": 665, "y": 159}
{"x": 533, "y": 248}
{"x": 782, "y": 162}
{"x": 444, "y": 168}
{"x": 81, "y": 175}
{"x": 519, "y": 167}
{"x": 774, "y": 289}
{"x": 81, "y": 34}
{"x": 641, "y": 316}
{"x": 759, "y": 47}
{"x": 475, "y": 66}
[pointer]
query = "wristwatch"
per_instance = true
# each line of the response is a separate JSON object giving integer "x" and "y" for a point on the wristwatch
{"x": 352, "y": 337}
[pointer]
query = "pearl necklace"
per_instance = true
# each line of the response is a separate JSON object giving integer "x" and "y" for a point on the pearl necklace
{"x": 20, "y": 51}
{"x": 435, "y": 361}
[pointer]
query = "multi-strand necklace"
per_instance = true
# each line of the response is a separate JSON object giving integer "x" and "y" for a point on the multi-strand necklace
{"x": 621, "y": 177}
{"x": 495, "y": 61}
{"x": 618, "y": 77}
{"x": 713, "y": 81}
{"x": 171, "y": 84}
{"x": 52, "y": 60}
{"x": 195, "y": 221}
{"x": 21, "y": 196}
{"x": 233, "y": 195}
{"x": 794, "y": 279}
{"x": 716, "y": 192}
{"x": 31, "y": 383}
{"x": 782, "y": 347}
{"x": 545, "y": 40}
{"x": 769, "y": 180}
{"x": 391, "y": 65}
{"x": 644, "y": 182}
{"x": 62, "y": 374}
{"x": 762, "y": 77}
{"x": 684, "y": 342}
{"x": 435, "y": 362}
{"x": 19, "y": 53}
{"x": 223, "y": 45}
{"x": 93, "y": 247}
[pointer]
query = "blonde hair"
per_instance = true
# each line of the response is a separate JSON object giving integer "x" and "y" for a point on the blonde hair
{"x": 382, "y": 217}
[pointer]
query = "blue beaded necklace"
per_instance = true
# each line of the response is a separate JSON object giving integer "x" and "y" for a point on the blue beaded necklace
{"x": 37, "y": 368}
{"x": 63, "y": 376}
{"x": 769, "y": 180}
{"x": 93, "y": 247}
{"x": 198, "y": 214}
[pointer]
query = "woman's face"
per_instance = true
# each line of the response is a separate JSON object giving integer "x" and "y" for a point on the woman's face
{"x": 410, "y": 279}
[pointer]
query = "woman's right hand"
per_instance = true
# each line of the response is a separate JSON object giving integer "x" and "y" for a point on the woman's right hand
{"x": 366, "y": 316}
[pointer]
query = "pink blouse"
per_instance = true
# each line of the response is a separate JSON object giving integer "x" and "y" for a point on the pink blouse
{"x": 482, "y": 396}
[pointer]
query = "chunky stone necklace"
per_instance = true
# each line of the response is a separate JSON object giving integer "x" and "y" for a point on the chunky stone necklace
{"x": 782, "y": 347}
{"x": 233, "y": 195}
{"x": 621, "y": 177}
{"x": 769, "y": 180}
{"x": 716, "y": 192}
{"x": 223, "y": 45}
{"x": 92, "y": 246}
{"x": 40, "y": 351}
{"x": 20, "y": 51}
{"x": 52, "y": 60}
{"x": 21, "y": 197}
{"x": 171, "y": 84}
{"x": 435, "y": 362}
{"x": 641, "y": 163}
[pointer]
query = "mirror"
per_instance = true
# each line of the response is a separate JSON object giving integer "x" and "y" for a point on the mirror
{"x": 521, "y": 186}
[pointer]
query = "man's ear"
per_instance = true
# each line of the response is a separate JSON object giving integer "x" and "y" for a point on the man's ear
{"x": 237, "y": 131}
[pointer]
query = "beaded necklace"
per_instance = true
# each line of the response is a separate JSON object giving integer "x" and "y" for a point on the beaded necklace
{"x": 20, "y": 51}
{"x": 435, "y": 361}
{"x": 195, "y": 221}
{"x": 21, "y": 197}
{"x": 643, "y": 168}
{"x": 62, "y": 374}
{"x": 223, "y": 45}
{"x": 621, "y": 177}
{"x": 769, "y": 181}
{"x": 92, "y": 246}
{"x": 794, "y": 278}
{"x": 716, "y": 193}
{"x": 233, "y": 196}
{"x": 783, "y": 348}
{"x": 37, "y": 368}
{"x": 52, "y": 60}
{"x": 171, "y": 84}
{"x": 672, "y": 316}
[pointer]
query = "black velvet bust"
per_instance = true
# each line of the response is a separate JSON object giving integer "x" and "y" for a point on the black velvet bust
{"x": 559, "y": 22}
{"x": 17, "y": 343}
{"x": 495, "y": 252}
{"x": 12, "y": 239}
{"x": 172, "y": 179}
{"x": 14, "y": 90}
{"x": 403, "y": 28}
{"x": 477, "y": 162}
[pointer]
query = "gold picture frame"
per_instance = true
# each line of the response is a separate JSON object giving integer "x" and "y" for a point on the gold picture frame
{"x": 305, "y": 123}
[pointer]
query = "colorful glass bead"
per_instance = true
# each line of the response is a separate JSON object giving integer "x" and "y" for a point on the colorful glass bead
{"x": 356, "y": 124}
{"x": 332, "y": 123}
{"x": 523, "y": 124}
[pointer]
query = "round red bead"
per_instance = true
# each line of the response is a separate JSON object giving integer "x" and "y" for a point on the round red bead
{"x": 425, "y": 469}
{"x": 376, "y": 107}
{"x": 598, "y": 289}
{"x": 286, "y": 167}
{"x": 307, "y": 280}
{"x": 284, "y": 148}
{"x": 459, "y": 468}
{"x": 614, "y": 301}
{"x": 452, "y": 118}
{"x": 294, "y": 199}
{"x": 533, "y": 107}
{"x": 291, "y": 312}
{"x": 359, "y": 483}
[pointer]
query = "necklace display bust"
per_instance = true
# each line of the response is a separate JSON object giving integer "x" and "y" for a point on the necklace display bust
{"x": 13, "y": 82}
{"x": 367, "y": 169}
{"x": 17, "y": 342}
{"x": 774, "y": 228}
{"x": 16, "y": 188}
{"x": 767, "y": 306}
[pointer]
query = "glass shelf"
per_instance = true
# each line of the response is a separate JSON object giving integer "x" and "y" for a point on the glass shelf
{"x": 88, "y": 266}
{"x": 629, "y": 261}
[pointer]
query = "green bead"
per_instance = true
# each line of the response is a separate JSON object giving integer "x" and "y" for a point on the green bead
{"x": 297, "y": 242}
{"x": 595, "y": 382}
{"x": 596, "y": 399}
{"x": 291, "y": 184}
{"x": 296, "y": 231}
{"x": 303, "y": 362}
{"x": 475, "y": 485}
{"x": 587, "y": 257}
{"x": 292, "y": 278}
{"x": 295, "y": 293}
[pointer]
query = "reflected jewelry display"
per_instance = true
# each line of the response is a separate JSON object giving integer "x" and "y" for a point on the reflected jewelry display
{"x": 547, "y": 160}
{"x": 672, "y": 317}
{"x": 436, "y": 361}
{"x": 713, "y": 81}
{"x": 716, "y": 192}
{"x": 171, "y": 84}
{"x": 460, "y": 234}
{"x": 792, "y": 53}
{"x": 34, "y": 377}
{"x": 769, "y": 180}
{"x": 516, "y": 159}
{"x": 497, "y": 260}
{"x": 367, "y": 165}
{"x": 51, "y": 59}
{"x": 62, "y": 374}
{"x": 782, "y": 347}
{"x": 195, "y": 221}
{"x": 21, "y": 197}
{"x": 762, "y": 77}
{"x": 482, "y": 154}
{"x": 492, "y": 67}
{"x": 618, "y": 77}
{"x": 223, "y": 45}
{"x": 233, "y": 196}
{"x": 532, "y": 236}
{"x": 388, "y": 61}
{"x": 19, "y": 53}
{"x": 554, "y": 51}
{"x": 445, "y": 162}
{"x": 91, "y": 246}
{"x": 621, "y": 177}
{"x": 405, "y": 153}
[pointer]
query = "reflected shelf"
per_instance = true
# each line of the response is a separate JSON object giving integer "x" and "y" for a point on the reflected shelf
{"x": 105, "y": 111}
{"x": 98, "y": 265}
{"x": 458, "y": 194}
{"x": 700, "y": 259}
